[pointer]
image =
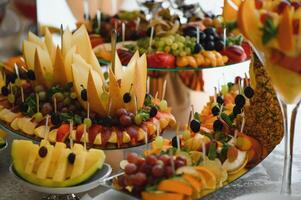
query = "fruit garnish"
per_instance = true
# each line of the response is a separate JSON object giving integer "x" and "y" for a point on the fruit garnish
{"x": 219, "y": 100}
{"x": 249, "y": 92}
{"x": 38, "y": 117}
{"x": 11, "y": 98}
{"x": 163, "y": 105}
{"x": 215, "y": 110}
{"x": 43, "y": 151}
{"x": 127, "y": 97}
{"x": 240, "y": 100}
{"x": 153, "y": 111}
{"x": 88, "y": 122}
{"x": 237, "y": 110}
{"x": 217, "y": 125}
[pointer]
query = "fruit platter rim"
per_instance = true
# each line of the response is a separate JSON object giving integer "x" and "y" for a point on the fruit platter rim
{"x": 108, "y": 182}
{"x": 111, "y": 147}
{"x": 93, "y": 182}
{"x": 179, "y": 69}
{"x": 5, "y": 146}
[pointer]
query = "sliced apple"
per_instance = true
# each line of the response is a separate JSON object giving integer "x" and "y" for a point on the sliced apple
{"x": 50, "y": 45}
{"x": 59, "y": 69}
{"x": 29, "y": 49}
{"x": 36, "y": 40}
{"x": 285, "y": 34}
{"x": 43, "y": 68}
{"x": 95, "y": 89}
{"x": 116, "y": 100}
{"x": 140, "y": 80}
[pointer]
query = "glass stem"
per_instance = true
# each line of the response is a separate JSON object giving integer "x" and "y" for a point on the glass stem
{"x": 289, "y": 115}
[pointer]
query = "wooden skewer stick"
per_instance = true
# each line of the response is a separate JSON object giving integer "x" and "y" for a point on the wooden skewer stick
{"x": 70, "y": 133}
{"x": 204, "y": 152}
{"x": 156, "y": 95}
{"x": 151, "y": 38}
{"x": 62, "y": 38}
{"x": 148, "y": 85}
{"x": 38, "y": 102}
{"x": 243, "y": 123}
{"x": 110, "y": 106}
{"x": 113, "y": 46}
{"x": 178, "y": 138}
{"x": 123, "y": 31}
{"x": 225, "y": 37}
{"x": 172, "y": 162}
{"x": 46, "y": 128}
{"x": 54, "y": 104}
{"x": 190, "y": 117}
{"x": 164, "y": 89}
{"x": 18, "y": 76}
{"x": 215, "y": 94}
{"x": 197, "y": 34}
{"x": 86, "y": 10}
{"x": 98, "y": 17}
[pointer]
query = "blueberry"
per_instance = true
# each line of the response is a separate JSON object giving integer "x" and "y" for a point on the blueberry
{"x": 210, "y": 31}
{"x": 55, "y": 119}
{"x": 195, "y": 125}
{"x": 209, "y": 38}
{"x": 190, "y": 31}
{"x": 236, "y": 110}
{"x": 153, "y": 111}
{"x": 209, "y": 45}
{"x": 240, "y": 100}
{"x": 202, "y": 37}
{"x": 249, "y": 92}
{"x": 217, "y": 125}
{"x": 127, "y": 97}
{"x": 197, "y": 48}
{"x": 71, "y": 158}
{"x": 23, "y": 107}
{"x": 84, "y": 94}
{"x": 215, "y": 111}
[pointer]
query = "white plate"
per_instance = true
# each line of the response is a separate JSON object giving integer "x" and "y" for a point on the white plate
{"x": 90, "y": 184}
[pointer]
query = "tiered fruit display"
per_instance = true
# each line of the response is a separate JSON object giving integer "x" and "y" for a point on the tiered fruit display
{"x": 55, "y": 165}
{"x": 55, "y": 86}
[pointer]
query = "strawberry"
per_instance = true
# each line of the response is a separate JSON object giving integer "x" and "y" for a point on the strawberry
{"x": 96, "y": 40}
{"x": 160, "y": 59}
{"x": 93, "y": 131}
{"x": 62, "y": 132}
{"x": 79, "y": 132}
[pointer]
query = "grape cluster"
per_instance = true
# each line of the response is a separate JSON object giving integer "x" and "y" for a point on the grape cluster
{"x": 174, "y": 44}
{"x": 140, "y": 172}
{"x": 209, "y": 38}
{"x": 125, "y": 117}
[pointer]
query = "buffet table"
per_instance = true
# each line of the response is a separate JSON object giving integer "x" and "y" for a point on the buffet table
{"x": 266, "y": 177}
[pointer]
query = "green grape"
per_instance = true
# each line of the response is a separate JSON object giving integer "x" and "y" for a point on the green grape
{"x": 38, "y": 88}
{"x": 42, "y": 96}
{"x": 174, "y": 46}
{"x": 182, "y": 53}
{"x": 138, "y": 119}
{"x": 186, "y": 135}
{"x": 161, "y": 43}
{"x": 182, "y": 39}
{"x": 73, "y": 95}
{"x": 167, "y": 49}
{"x": 169, "y": 41}
{"x": 176, "y": 52}
{"x": 172, "y": 38}
{"x": 181, "y": 45}
{"x": 159, "y": 141}
{"x": 224, "y": 89}
{"x": 59, "y": 96}
{"x": 38, "y": 117}
{"x": 88, "y": 122}
{"x": 11, "y": 98}
{"x": 163, "y": 105}
{"x": 188, "y": 51}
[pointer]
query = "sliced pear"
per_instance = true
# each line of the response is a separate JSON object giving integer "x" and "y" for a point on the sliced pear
{"x": 140, "y": 80}
{"x": 95, "y": 89}
{"x": 115, "y": 94}
{"x": 43, "y": 68}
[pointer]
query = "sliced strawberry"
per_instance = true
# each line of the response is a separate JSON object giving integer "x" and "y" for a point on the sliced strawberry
{"x": 62, "y": 132}
{"x": 79, "y": 132}
{"x": 93, "y": 131}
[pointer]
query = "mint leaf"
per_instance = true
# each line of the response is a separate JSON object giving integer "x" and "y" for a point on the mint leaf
{"x": 269, "y": 30}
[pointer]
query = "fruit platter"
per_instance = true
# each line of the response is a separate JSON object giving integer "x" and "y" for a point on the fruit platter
{"x": 218, "y": 145}
{"x": 62, "y": 93}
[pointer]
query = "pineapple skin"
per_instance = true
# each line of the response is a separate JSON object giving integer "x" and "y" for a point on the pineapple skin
{"x": 263, "y": 116}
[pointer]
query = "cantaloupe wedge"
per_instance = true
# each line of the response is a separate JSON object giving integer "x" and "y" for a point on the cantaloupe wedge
{"x": 230, "y": 10}
{"x": 248, "y": 20}
{"x": 209, "y": 177}
{"x": 115, "y": 93}
{"x": 59, "y": 70}
{"x": 175, "y": 186}
{"x": 95, "y": 89}
{"x": 43, "y": 68}
{"x": 161, "y": 196}
{"x": 285, "y": 31}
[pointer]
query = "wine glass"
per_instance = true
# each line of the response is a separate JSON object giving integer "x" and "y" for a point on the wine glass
{"x": 269, "y": 27}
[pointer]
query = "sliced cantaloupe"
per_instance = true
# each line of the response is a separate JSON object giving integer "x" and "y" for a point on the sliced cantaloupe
{"x": 95, "y": 90}
{"x": 36, "y": 40}
{"x": 198, "y": 185}
{"x": 54, "y": 172}
{"x": 230, "y": 10}
{"x": 175, "y": 186}
{"x": 209, "y": 176}
{"x": 285, "y": 34}
{"x": 161, "y": 196}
